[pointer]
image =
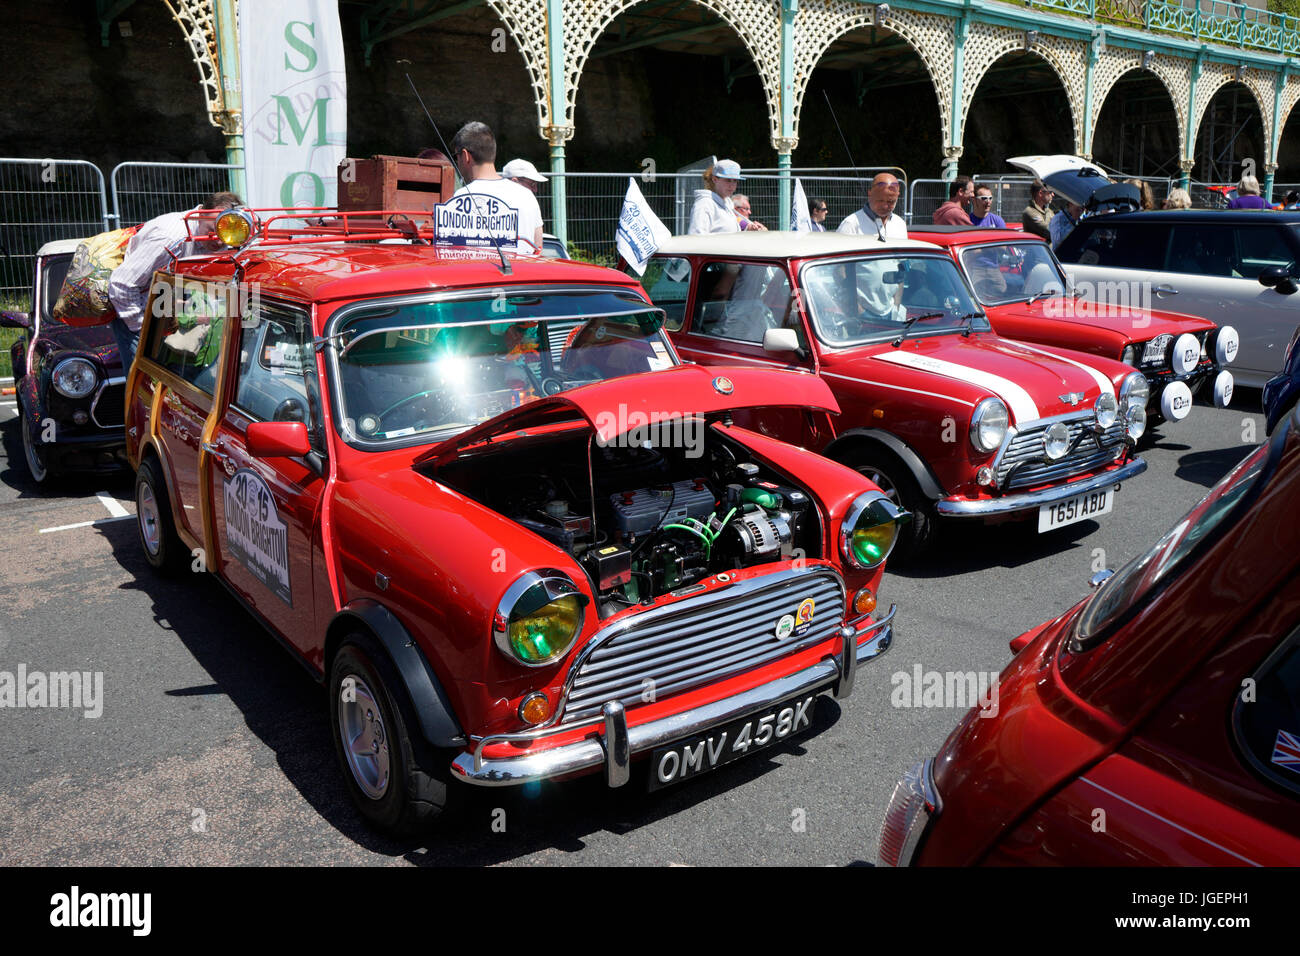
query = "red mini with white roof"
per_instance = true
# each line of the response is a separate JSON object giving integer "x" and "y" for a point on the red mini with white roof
{"x": 481, "y": 499}
{"x": 1020, "y": 284}
{"x": 950, "y": 419}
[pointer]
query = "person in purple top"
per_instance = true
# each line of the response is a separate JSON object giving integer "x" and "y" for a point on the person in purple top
{"x": 1248, "y": 196}
{"x": 981, "y": 211}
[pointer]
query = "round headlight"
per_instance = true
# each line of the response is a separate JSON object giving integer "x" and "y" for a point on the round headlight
{"x": 1137, "y": 421}
{"x": 870, "y": 529}
{"x": 539, "y": 618}
{"x": 75, "y": 377}
{"x": 1135, "y": 391}
{"x": 1130, "y": 356}
{"x": 988, "y": 424}
{"x": 1106, "y": 409}
{"x": 235, "y": 226}
{"x": 1056, "y": 441}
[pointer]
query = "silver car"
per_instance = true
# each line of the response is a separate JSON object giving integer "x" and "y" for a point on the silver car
{"x": 1234, "y": 267}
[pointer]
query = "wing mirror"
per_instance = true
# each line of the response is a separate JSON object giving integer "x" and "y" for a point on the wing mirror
{"x": 1279, "y": 278}
{"x": 278, "y": 440}
{"x": 780, "y": 340}
{"x": 15, "y": 320}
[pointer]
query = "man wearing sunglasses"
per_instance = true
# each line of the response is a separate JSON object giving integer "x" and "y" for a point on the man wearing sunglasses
{"x": 877, "y": 217}
{"x": 982, "y": 215}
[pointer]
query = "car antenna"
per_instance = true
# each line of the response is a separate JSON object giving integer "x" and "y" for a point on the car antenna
{"x": 880, "y": 232}
{"x": 505, "y": 265}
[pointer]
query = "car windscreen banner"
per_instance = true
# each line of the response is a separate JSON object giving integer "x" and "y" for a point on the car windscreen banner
{"x": 295, "y": 102}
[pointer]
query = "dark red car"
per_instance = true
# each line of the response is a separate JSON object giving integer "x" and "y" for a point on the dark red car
{"x": 1021, "y": 285}
{"x": 484, "y": 502}
{"x": 1157, "y": 722}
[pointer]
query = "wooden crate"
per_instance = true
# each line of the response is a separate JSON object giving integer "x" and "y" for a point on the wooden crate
{"x": 394, "y": 182}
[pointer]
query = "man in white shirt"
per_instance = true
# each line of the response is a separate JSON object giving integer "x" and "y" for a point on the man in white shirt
{"x": 1063, "y": 223}
{"x": 474, "y": 153}
{"x": 156, "y": 244}
{"x": 877, "y": 217}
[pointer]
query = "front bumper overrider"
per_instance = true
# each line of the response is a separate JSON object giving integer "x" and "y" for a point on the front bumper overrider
{"x": 1032, "y": 500}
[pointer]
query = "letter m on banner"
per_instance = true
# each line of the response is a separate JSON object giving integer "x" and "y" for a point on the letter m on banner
{"x": 295, "y": 102}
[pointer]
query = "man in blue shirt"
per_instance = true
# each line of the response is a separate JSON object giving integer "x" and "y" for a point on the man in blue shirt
{"x": 982, "y": 215}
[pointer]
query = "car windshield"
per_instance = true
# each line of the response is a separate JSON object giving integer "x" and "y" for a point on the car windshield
{"x": 1130, "y": 586}
{"x": 856, "y": 301}
{"x": 435, "y": 368}
{"x": 53, "y": 272}
{"x": 1012, "y": 272}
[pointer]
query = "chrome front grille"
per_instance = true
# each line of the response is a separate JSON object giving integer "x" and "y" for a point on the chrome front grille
{"x": 701, "y": 641}
{"x": 108, "y": 409}
{"x": 1026, "y": 449}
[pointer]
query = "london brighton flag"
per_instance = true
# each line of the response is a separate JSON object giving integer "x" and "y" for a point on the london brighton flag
{"x": 640, "y": 231}
{"x": 295, "y": 99}
{"x": 800, "y": 218}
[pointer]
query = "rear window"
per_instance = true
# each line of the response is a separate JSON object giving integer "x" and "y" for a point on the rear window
{"x": 1267, "y": 727}
{"x": 1116, "y": 244}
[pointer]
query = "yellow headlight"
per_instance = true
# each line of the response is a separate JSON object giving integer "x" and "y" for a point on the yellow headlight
{"x": 234, "y": 227}
{"x": 547, "y": 632}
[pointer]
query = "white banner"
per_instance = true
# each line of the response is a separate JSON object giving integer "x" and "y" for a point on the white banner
{"x": 800, "y": 217}
{"x": 640, "y": 231}
{"x": 295, "y": 98}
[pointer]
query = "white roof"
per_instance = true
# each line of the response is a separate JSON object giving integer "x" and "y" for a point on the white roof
{"x": 59, "y": 246}
{"x": 772, "y": 244}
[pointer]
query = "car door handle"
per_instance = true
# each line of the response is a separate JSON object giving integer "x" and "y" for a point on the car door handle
{"x": 1164, "y": 290}
{"x": 212, "y": 448}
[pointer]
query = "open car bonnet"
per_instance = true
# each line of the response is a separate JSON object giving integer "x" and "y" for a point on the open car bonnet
{"x": 1081, "y": 182}
{"x": 619, "y": 405}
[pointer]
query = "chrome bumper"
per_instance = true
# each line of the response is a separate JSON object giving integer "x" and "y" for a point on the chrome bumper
{"x": 617, "y": 744}
{"x": 966, "y": 508}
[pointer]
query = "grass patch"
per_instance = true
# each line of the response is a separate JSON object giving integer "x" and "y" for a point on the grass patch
{"x": 10, "y": 303}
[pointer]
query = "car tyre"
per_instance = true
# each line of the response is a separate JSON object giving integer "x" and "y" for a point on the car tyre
{"x": 895, "y": 480}
{"x": 397, "y": 780}
{"x": 37, "y": 461}
{"x": 162, "y": 546}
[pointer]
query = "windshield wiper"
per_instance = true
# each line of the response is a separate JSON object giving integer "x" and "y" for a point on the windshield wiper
{"x": 966, "y": 321}
{"x": 907, "y": 325}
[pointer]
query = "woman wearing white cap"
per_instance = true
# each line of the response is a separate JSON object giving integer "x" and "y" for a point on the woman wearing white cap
{"x": 713, "y": 211}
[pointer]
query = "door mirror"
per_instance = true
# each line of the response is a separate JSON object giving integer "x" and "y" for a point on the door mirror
{"x": 278, "y": 440}
{"x": 780, "y": 340}
{"x": 15, "y": 320}
{"x": 1279, "y": 278}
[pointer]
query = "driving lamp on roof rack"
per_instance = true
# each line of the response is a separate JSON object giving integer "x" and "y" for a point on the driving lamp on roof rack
{"x": 235, "y": 227}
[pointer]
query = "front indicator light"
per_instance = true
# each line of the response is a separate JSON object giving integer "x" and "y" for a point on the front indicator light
{"x": 984, "y": 477}
{"x": 539, "y": 618}
{"x": 864, "y": 602}
{"x": 870, "y": 529}
{"x": 534, "y": 708}
{"x": 912, "y": 806}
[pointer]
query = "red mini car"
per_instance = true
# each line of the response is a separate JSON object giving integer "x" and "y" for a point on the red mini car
{"x": 481, "y": 499}
{"x": 950, "y": 419}
{"x": 1156, "y": 722}
{"x": 1022, "y": 287}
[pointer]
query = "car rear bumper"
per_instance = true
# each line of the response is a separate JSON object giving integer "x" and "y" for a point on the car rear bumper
{"x": 1033, "y": 500}
{"x": 614, "y": 748}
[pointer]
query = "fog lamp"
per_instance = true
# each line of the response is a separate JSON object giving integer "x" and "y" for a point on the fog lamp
{"x": 534, "y": 708}
{"x": 234, "y": 227}
{"x": 1056, "y": 441}
{"x": 80, "y": 417}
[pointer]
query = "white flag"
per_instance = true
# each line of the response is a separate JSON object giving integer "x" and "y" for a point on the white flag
{"x": 295, "y": 102}
{"x": 640, "y": 232}
{"x": 800, "y": 218}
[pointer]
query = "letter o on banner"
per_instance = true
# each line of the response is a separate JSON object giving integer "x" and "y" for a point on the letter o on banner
{"x": 1187, "y": 353}
{"x": 1176, "y": 401}
{"x": 287, "y": 189}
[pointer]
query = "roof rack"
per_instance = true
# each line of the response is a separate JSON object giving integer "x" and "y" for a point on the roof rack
{"x": 319, "y": 223}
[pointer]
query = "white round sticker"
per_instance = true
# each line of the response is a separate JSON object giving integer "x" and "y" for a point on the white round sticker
{"x": 785, "y": 627}
{"x": 1176, "y": 401}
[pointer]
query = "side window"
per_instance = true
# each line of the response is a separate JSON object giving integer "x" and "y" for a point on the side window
{"x": 187, "y": 320}
{"x": 740, "y": 301}
{"x": 1258, "y": 247}
{"x": 667, "y": 282}
{"x": 1120, "y": 245}
{"x": 277, "y": 370}
{"x": 1202, "y": 249}
{"x": 1268, "y": 726}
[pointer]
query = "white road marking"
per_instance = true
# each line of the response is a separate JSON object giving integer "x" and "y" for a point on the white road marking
{"x": 115, "y": 509}
{"x": 85, "y": 524}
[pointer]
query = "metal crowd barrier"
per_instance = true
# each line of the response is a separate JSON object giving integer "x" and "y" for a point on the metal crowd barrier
{"x": 42, "y": 200}
{"x": 142, "y": 191}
